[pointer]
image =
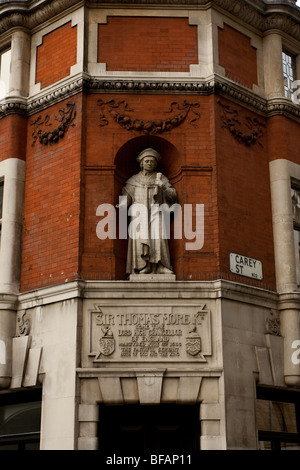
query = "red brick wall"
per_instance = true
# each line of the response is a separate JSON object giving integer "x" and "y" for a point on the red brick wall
{"x": 56, "y": 55}
{"x": 244, "y": 200}
{"x": 13, "y": 137}
{"x": 67, "y": 181}
{"x": 283, "y": 139}
{"x": 237, "y": 56}
{"x": 51, "y": 233}
{"x": 188, "y": 160}
{"x": 147, "y": 44}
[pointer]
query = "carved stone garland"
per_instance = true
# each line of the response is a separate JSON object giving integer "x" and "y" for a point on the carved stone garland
{"x": 120, "y": 113}
{"x": 249, "y": 132}
{"x": 65, "y": 118}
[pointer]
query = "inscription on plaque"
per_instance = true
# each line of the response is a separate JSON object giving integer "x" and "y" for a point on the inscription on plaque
{"x": 150, "y": 333}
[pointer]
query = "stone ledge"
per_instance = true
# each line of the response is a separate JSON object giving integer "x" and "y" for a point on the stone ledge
{"x": 84, "y": 83}
{"x": 115, "y": 290}
{"x": 152, "y": 277}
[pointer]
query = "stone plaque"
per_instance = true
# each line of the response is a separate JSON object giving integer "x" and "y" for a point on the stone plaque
{"x": 150, "y": 333}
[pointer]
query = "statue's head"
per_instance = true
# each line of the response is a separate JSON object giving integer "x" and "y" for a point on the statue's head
{"x": 149, "y": 154}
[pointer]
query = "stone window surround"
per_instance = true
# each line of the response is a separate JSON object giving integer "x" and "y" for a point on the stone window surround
{"x": 149, "y": 388}
{"x": 292, "y": 48}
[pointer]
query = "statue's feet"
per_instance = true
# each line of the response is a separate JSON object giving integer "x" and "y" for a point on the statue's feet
{"x": 146, "y": 270}
{"x": 155, "y": 269}
{"x": 163, "y": 270}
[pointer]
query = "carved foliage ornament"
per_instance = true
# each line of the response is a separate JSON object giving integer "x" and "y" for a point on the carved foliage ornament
{"x": 53, "y": 135}
{"x": 272, "y": 324}
{"x": 248, "y": 132}
{"x": 120, "y": 111}
{"x": 23, "y": 323}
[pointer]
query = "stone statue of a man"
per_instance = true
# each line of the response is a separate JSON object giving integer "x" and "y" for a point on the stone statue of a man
{"x": 149, "y": 253}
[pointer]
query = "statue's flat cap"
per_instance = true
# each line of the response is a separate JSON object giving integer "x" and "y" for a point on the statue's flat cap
{"x": 149, "y": 152}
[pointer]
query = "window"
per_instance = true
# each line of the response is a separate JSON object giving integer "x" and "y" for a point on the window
{"x": 20, "y": 418}
{"x": 4, "y": 72}
{"x": 1, "y": 206}
{"x": 289, "y": 73}
{"x": 172, "y": 428}
{"x": 278, "y": 419}
{"x": 297, "y": 252}
{"x": 295, "y": 195}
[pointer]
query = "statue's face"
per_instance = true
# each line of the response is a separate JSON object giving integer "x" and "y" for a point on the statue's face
{"x": 149, "y": 163}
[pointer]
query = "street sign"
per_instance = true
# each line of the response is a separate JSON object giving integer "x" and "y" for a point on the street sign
{"x": 245, "y": 266}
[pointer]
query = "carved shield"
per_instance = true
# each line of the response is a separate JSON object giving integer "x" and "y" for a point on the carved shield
{"x": 193, "y": 344}
{"x": 106, "y": 345}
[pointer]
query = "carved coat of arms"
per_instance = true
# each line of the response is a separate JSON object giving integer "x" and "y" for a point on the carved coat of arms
{"x": 106, "y": 342}
{"x": 193, "y": 343}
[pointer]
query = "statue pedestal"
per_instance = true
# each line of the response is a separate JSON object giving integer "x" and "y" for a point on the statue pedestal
{"x": 152, "y": 277}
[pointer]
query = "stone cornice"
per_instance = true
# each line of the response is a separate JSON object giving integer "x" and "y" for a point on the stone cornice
{"x": 151, "y": 289}
{"x": 220, "y": 86}
{"x": 261, "y": 15}
{"x": 8, "y": 302}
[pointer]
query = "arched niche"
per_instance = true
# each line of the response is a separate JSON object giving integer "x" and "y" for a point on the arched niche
{"x": 126, "y": 165}
{"x": 125, "y": 160}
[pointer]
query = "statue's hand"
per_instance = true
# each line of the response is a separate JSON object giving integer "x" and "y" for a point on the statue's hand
{"x": 158, "y": 181}
{"x": 122, "y": 203}
{"x": 121, "y": 206}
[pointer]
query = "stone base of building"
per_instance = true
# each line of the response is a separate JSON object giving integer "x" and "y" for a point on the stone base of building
{"x": 141, "y": 344}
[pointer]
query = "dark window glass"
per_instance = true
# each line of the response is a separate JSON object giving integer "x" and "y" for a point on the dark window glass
{"x": 278, "y": 419}
{"x": 20, "y": 418}
{"x": 170, "y": 428}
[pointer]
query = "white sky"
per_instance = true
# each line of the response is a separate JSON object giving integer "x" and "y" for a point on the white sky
{"x": 4, "y": 73}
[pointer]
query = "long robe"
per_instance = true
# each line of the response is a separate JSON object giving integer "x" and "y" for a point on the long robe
{"x": 141, "y": 189}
